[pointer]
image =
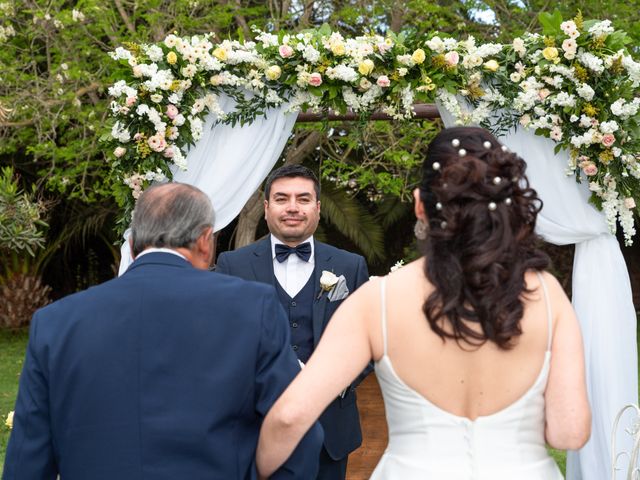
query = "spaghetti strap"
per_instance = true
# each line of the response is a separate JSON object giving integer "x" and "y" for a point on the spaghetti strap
{"x": 548, "y": 304}
{"x": 383, "y": 313}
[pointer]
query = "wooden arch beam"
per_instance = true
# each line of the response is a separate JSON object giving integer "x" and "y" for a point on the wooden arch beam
{"x": 422, "y": 111}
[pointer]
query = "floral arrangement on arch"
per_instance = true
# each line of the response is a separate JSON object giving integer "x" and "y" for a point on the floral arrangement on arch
{"x": 165, "y": 90}
{"x": 575, "y": 83}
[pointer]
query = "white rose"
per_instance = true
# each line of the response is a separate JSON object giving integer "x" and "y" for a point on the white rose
{"x": 9, "y": 421}
{"x": 328, "y": 280}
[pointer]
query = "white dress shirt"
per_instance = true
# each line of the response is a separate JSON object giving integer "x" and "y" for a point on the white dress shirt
{"x": 161, "y": 250}
{"x": 292, "y": 274}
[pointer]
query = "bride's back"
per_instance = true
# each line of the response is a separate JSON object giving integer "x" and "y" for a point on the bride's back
{"x": 459, "y": 378}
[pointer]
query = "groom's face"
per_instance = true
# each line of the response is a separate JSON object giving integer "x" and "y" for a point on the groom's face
{"x": 292, "y": 210}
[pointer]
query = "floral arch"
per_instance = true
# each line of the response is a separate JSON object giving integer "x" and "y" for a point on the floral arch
{"x": 569, "y": 97}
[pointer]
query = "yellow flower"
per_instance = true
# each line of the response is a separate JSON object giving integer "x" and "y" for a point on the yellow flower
{"x": 220, "y": 54}
{"x": 273, "y": 72}
{"x": 550, "y": 53}
{"x": 590, "y": 110}
{"x": 606, "y": 156}
{"x": 418, "y": 56}
{"x": 9, "y": 421}
{"x": 491, "y": 65}
{"x": 172, "y": 58}
{"x": 365, "y": 67}
{"x": 338, "y": 48}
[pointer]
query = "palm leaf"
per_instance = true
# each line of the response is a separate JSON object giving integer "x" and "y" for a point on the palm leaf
{"x": 351, "y": 219}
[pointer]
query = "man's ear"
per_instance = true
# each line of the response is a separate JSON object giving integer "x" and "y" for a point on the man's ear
{"x": 131, "y": 247}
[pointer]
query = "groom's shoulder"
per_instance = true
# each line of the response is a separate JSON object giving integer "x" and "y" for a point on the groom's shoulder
{"x": 339, "y": 253}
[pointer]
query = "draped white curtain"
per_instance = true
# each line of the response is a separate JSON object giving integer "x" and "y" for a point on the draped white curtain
{"x": 601, "y": 296}
{"x": 229, "y": 163}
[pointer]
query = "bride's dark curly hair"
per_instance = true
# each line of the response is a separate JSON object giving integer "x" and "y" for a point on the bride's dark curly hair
{"x": 480, "y": 240}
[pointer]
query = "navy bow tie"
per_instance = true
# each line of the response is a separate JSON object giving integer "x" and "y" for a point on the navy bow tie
{"x": 303, "y": 251}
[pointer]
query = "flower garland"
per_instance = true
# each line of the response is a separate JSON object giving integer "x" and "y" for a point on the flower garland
{"x": 575, "y": 83}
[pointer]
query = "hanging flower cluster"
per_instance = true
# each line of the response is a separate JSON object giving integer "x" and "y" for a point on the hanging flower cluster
{"x": 576, "y": 84}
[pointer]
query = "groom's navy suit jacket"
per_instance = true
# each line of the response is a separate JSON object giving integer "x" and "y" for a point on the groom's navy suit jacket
{"x": 340, "y": 421}
{"x": 163, "y": 373}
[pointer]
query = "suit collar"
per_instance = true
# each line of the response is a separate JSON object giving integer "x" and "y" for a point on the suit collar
{"x": 262, "y": 263}
{"x": 323, "y": 258}
{"x": 159, "y": 258}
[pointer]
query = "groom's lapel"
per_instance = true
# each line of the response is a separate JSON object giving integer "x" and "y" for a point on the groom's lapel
{"x": 262, "y": 262}
{"x": 322, "y": 258}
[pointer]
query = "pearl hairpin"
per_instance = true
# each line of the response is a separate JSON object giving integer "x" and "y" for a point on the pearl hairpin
{"x": 435, "y": 166}
{"x": 487, "y": 144}
{"x": 508, "y": 201}
{"x": 455, "y": 142}
{"x": 438, "y": 206}
{"x": 504, "y": 148}
{"x": 462, "y": 152}
{"x": 497, "y": 180}
{"x": 492, "y": 206}
{"x": 443, "y": 225}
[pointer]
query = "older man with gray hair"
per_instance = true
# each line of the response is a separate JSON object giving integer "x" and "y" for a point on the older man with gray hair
{"x": 165, "y": 372}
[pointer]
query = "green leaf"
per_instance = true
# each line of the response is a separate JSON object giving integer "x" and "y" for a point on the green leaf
{"x": 550, "y": 22}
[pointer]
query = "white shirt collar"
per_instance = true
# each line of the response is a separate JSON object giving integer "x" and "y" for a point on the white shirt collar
{"x": 160, "y": 250}
{"x": 275, "y": 241}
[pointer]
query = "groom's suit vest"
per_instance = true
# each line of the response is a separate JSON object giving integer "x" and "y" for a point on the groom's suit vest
{"x": 299, "y": 310}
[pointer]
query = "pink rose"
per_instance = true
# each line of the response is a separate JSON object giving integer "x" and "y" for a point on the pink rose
{"x": 383, "y": 81}
{"x": 383, "y": 47}
{"x": 608, "y": 139}
{"x": 630, "y": 203}
{"x": 169, "y": 153}
{"x": 544, "y": 93}
{"x": 315, "y": 79}
{"x": 131, "y": 101}
{"x": 119, "y": 151}
{"x": 137, "y": 71}
{"x": 172, "y": 111}
{"x": 452, "y": 58}
{"x": 157, "y": 143}
{"x": 285, "y": 51}
{"x": 589, "y": 169}
{"x": 137, "y": 136}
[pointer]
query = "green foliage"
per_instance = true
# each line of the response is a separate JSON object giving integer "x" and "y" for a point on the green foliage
{"x": 21, "y": 225}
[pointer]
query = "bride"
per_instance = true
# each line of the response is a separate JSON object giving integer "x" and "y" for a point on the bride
{"x": 478, "y": 351}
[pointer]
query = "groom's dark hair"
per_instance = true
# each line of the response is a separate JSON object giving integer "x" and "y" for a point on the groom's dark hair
{"x": 171, "y": 215}
{"x": 291, "y": 171}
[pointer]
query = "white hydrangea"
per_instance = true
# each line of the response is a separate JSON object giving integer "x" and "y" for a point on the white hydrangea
{"x": 342, "y": 72}
{"x": 120, "y": 132}
{"x": 196, "y": 127}
{"x": 179, "y": 160}
{"x": 154, "y": 53}
{"x": 268, "y": 39}
{"x": 590, "y": 61}
{"x": 585, "y": 92}
{"x": 601, "y": 29}
{"x": 488, "y": 49}
{"x": 450, "y": 44}
{"x": 623, "y": 109}
{"x": 310, "y": 54}
{"x": 609, "y": 127}
{"x": 436, "y": 44}
{"x": 633, "y": 68}
{"x": 121, "y": 53}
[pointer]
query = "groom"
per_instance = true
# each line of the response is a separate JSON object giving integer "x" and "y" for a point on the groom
{"x": 292, "y": 261}
{"x": 163, "y": 373}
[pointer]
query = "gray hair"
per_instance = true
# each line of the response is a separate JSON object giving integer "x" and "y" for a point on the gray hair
{"x": 171, "y": 215}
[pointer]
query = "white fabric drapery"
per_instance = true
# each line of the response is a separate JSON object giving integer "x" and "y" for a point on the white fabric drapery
{"x": 601, "y": 295}
{"x": 229, "y": 163}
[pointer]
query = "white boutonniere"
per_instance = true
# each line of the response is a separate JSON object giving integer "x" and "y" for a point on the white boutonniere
{"x": 328, "y": 280}
{"x": 336, "y": 286}
{"x": 9, "y": 421}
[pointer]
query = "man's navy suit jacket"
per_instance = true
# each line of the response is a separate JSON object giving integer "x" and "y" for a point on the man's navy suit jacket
{"x": 340, "y": 421}
{"x": 164, "y": 373}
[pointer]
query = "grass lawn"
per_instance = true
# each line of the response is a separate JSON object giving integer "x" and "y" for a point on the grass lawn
{"x": 12, "y": 348}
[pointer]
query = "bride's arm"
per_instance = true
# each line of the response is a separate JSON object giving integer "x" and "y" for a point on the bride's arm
{"x": 567, "y": 412}
{"x": 343, "y": 352}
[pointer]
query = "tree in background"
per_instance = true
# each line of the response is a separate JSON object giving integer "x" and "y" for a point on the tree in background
{"x": 53, "y": 106}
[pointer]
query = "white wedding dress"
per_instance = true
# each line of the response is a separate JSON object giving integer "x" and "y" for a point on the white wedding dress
{"x": 428, "y": 443}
